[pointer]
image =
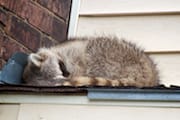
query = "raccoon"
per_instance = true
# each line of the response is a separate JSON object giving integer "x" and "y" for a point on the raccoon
{"x": 91, "y": 61}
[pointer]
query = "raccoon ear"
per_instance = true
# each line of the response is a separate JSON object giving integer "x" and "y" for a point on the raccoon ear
{"x": 36, "y": 59}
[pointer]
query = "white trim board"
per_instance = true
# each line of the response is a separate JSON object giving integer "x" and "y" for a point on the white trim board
{"x": 74, "y": 18}
{"x": 79, "y": 100}
{"x": 81, "y": 112}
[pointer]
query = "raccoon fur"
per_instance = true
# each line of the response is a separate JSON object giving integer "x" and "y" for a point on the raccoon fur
{"x": 91, "y": 61}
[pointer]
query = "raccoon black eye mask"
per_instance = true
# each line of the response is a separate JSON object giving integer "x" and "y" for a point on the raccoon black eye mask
{"x": 63, "y": 69}
{"x": 99, "y": 61}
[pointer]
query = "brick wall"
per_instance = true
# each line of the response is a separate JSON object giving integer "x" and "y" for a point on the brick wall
{"x": 26, "y": 25}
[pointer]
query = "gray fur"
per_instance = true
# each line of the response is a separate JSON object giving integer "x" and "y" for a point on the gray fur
{"x": 104, "y": 57}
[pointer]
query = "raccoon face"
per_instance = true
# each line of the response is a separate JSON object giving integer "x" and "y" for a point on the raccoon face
{"x": 44, "y": 67}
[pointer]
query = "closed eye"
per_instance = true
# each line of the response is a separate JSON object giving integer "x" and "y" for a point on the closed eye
{"x": 63, "y": 69}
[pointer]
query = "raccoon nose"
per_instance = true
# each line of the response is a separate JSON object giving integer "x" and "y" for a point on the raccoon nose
{"x": 66, "y": 73}
{"x": 63, "y": 69}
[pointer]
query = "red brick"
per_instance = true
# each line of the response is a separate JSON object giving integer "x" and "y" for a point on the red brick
{"x": 59, "y": 31}
{"x": 24, "y": 34}
{"x": 1, "y": 43}
{"x": 60, "y": 7}
{"x": 46, "y": 22}
{"x": 46, "y": 42}
{"x": 5, "y": 3}
{"x": 3, "y": 17}
{"x": 15, "y": 5}
{"x": 34, "y": 14}
{"x": 38, "y": 17}
{"x": 9, "y": 46}
{"x": 2, "y": 63}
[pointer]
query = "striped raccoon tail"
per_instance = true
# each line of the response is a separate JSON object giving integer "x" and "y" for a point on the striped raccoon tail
{"x": 100, "y": 81}
{"x": 90, "y": 81}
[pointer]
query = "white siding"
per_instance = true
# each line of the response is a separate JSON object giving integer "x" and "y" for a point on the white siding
{"x": 154, "y": 33}
{"x": 9, "y": 111}
{"x": 169, "y": 66}
{"x": 79, "y": 112}
{"x": 127, "y": 6}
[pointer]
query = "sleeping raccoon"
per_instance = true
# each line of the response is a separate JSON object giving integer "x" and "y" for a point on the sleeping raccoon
{"x": 93, "y": 61}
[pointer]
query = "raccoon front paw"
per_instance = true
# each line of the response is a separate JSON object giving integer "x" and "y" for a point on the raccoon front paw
{"x": 61, "y": 81}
